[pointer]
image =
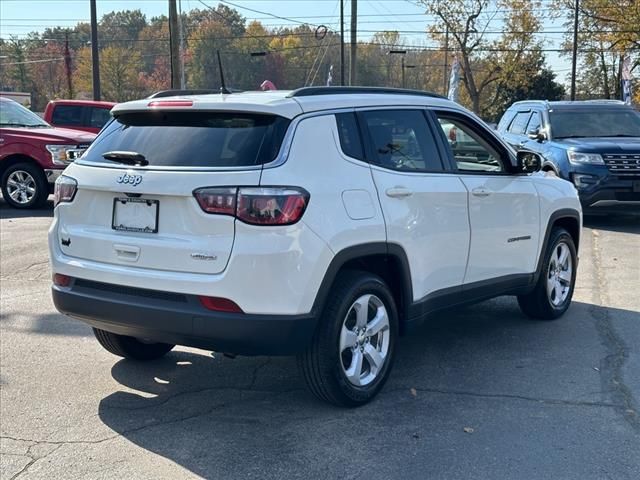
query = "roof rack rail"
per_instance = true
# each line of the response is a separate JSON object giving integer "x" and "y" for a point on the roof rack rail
{"x": 176, "y": 92}
{"x": 316, "y": 91}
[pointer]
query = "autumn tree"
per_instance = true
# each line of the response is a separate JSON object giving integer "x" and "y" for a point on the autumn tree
{"x": 119, "y": 73}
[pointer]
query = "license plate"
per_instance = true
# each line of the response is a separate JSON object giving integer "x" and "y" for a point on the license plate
{"x": 135, "y": 215}
{"x": 636, "y": 186}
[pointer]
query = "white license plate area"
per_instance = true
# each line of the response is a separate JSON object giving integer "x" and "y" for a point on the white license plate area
{"x": 135, "y": 215}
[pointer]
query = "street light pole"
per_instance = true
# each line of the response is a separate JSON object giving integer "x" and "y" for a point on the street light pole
{"x": 342, "y": 43}
{"x": 95, "y": 62}
{"x": 574, "y": 59}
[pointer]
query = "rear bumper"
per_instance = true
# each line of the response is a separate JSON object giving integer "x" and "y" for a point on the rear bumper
{"x": 181, "y": 320}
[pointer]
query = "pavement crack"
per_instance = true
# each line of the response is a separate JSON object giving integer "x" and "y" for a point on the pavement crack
{"x": 546, "y": 401}
{"x": 617, "y": 353}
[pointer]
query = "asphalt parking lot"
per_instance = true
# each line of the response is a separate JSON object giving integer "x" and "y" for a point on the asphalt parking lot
{"x": 479, "y": 392}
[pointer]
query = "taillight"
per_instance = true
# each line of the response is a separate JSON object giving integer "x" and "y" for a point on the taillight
{"x": 217, "y": 200}
{"x": 219, "y": 304}
{"x": 256, "y": 205}
{"x": 64, "y": 190}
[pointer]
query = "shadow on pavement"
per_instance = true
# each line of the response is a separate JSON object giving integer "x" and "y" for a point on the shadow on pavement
{"x": 8, "y": 212}
{"x": 49, "y": 324}
{"x": 252, "y": 417}
{"x": 614, "y": 222}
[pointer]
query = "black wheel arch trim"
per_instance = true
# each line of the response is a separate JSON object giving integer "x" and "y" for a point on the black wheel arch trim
{"x": 555, "y": 216}
{"x": 361, "y": 251}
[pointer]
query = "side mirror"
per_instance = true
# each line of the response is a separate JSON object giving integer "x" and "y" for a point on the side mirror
{"x": 528, "y": 162}
{"x": 536, "y": 135}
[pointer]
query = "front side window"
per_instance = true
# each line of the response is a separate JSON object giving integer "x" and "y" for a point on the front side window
{"x": 470, "y": 151}
{"x": 534, "y": 123}
{"x": 402, "y": 140}
{"x": 519, "y": 123}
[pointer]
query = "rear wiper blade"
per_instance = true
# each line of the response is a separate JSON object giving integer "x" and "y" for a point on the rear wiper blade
{"x": 624, "y": 135}
{"x": 128, "y": 158}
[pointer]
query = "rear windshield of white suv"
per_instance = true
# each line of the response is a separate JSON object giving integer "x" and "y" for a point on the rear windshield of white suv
{"x": 193, "y": 139}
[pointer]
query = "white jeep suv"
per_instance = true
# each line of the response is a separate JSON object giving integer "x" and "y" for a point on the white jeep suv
{"x": 321, "y": 222}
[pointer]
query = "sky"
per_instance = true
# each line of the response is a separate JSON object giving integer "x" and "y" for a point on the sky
{"x": 19, "y": 17}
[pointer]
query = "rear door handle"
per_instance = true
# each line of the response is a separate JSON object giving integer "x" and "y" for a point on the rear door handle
{"x": 398, "y": 192}
{"x": 481, "y": 192}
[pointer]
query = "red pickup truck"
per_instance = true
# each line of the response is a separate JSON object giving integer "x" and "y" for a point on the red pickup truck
{"x": 85, "y": 115}
{"x": 33, "y": 154}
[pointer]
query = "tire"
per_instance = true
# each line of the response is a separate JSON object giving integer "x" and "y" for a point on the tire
{"x": 130, "y": 347}
{"x": 25, "y": 185}
{"x": 330, "y": 365}
{"x": 552, "y": 294}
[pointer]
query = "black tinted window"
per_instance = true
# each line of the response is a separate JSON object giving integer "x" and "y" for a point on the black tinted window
{"x": 402, "y": 140}
{"x": 519, "y": 123}
{"x": 193, "y": 139}
{"x": 67, "y": 115}
{"x": 597, "y": 122}
{"x": 350, "y": 140}
{"x": 99, "y": 116}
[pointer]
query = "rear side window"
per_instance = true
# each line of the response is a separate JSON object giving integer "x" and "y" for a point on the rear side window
{"x": 98, "y": 117}
{"x": 193, "y": 139}
{"x": 402, "y": 140}
{"x": 68, "y": 115}
{"x": 519, "y": 123}
{"x": 350, "y": 140}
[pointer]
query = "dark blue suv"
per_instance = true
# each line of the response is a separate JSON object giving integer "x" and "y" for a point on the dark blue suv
{"x": 593, "y": 144}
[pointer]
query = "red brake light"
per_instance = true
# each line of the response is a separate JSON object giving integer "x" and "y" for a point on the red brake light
{"x": 171, "y": 103}
{"x": 217, "y": 200}
{"x": 256, "y": 205}
{"x": 60, "y": 280}
{"x": 219, "y": 304}
{"x": 271, "y": 205}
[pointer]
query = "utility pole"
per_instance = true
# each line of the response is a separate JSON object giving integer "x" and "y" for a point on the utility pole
{"x": 183, "y": 82}
{"x": 341, "y": 42}
{"x": 574, "y": 59}
{"x": 402, "y": 62}
{"x": 446, "y": 62}
{"x": 67, "y": 64}
{"x": 354, "y": 42}
{"x": 95, "y": 61}
{"x": 174, "y": 45}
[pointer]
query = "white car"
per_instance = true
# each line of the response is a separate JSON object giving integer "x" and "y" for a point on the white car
{"x": 321, "y": 222}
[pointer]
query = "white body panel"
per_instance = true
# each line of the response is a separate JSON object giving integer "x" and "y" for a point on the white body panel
{"x": 317, "y": 164}
{"x": 271, "y": 270}
{"x": 426, "y": 214}
{"x": 505, "y": 226}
